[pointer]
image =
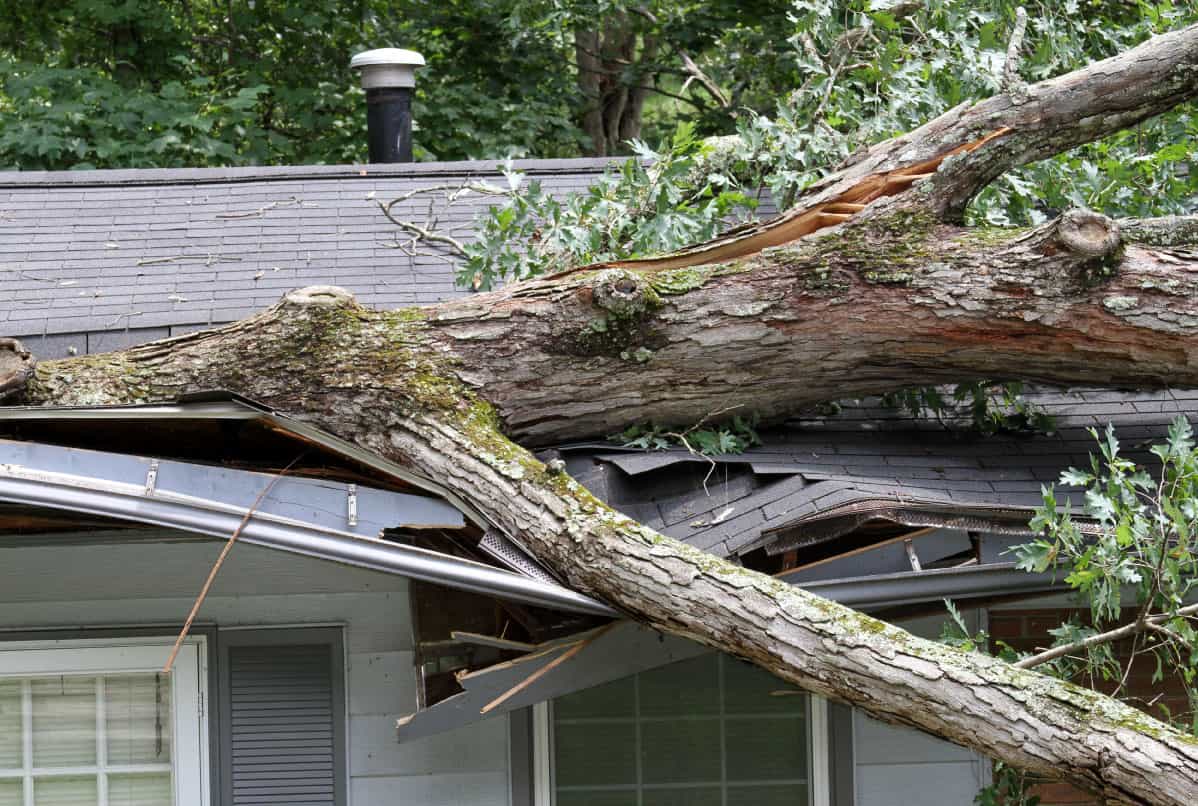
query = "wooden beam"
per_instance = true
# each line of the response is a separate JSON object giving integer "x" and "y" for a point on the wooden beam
{"x": 861, "y": 550}
{"x": 495, "y": 641}
{"x": 544, "y": 670}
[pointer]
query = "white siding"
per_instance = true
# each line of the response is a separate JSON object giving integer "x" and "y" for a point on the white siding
{"x": 903, "y": 767}
{"x": 147, "y": 584}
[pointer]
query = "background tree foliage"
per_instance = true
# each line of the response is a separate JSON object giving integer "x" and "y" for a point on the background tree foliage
{"x": 142, "y": 83}
{"x": 122, "y": 83}
{"x": 740, "y": 97}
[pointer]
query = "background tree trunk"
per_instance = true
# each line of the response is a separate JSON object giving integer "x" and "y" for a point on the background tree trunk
{"x": 865, "y": 285}
{"x": 616, "y": 68}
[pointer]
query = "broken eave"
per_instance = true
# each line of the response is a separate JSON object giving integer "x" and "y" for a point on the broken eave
{"x": 840, "y": 521}
{"x": 331, "y": 520}
{"x": 215, "y": 427}
{"x": 600, "y": 656}
{"x": 223, "y": 428}
{"x": 884, "y": 591}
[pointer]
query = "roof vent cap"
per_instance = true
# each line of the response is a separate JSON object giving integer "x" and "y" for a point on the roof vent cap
{"x": 387, "y": 67}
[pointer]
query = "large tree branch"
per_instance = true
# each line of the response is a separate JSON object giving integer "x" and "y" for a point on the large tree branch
{"x": 971, "y": 145}
{"x": 874, "y": 290}
{"x": 893, "y": 300}
{"x": 386, "y": 381}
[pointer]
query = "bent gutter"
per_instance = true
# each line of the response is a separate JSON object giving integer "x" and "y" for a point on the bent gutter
{"x": 129, "y": 502}
{"x": 913, "y": 587}
{"x": 228, "y": 406}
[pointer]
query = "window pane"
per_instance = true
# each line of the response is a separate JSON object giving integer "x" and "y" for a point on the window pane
{"x": 766, "y": 749}
{"x": 592, "y": 797}
{"x": 138, "y": 719}
{"x": 794, "y": 795}
{"x": 709, "y": 731}
{"x": 688, "y": 796}
{"x": 64, "y": 721}
{"x": 595, "y": 753}
{"x": 10, "y": 726}
{"x": 678, "y": 750}
{"x": 139, "y": 790}
{"x": 749, "y": 690}
{"x": 12, "y": 793}
{"x": 614, "y": 699}
{"x": 688, "y": 688}
{"x": 65, "y": 791}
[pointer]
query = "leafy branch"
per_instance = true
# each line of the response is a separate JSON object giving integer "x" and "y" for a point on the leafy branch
{"x": 658, "y": 202}
{"x": 988, "y": 407}
{"x": 732, "y": 436}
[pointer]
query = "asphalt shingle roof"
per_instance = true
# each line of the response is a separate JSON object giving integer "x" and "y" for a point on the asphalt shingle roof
{"x": 98, "y": 260}
{"x": 819, "y": 467}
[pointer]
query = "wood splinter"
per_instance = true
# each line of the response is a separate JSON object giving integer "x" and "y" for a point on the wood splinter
{"x": 546, "y": 669}
{"x": 797, "y": 222}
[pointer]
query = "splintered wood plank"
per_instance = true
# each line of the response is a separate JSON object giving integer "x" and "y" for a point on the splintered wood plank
{"x": 495, "y": 641}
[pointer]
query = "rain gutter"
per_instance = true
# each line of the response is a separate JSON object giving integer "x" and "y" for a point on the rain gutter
{"x": 131, "y": 502}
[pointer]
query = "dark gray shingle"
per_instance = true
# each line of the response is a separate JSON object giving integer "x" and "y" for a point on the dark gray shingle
{"x": 114, "y": 254}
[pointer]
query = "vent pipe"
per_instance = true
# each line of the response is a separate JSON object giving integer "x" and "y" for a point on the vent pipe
{"x": 388, "y": 76}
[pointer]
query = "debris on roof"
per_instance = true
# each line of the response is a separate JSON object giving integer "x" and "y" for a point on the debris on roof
{"x": 818, "y": 478}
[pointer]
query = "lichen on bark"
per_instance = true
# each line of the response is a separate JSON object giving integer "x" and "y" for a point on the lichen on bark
{"x": 457, "y": 390}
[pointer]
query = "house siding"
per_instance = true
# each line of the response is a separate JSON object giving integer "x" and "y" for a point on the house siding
{"x": 897, "y": 766}
{"x": 146, "y": 584}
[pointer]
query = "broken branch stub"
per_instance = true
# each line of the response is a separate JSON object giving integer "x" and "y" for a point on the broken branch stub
{"x": 16, "y": 367}
{"x": 320, "y": 296}
{"x": 1088, "y": 234}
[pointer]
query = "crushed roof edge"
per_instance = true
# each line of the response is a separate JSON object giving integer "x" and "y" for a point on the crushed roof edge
{"x": 131, "y": 177}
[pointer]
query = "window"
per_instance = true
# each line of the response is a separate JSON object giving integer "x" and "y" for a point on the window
{"x": 711, "y": 731}
{"x": 96, "y": 722}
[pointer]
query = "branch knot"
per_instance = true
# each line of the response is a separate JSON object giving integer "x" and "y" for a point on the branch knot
{"x": 321, "y": 296}
{"x": 1088, "y": 234}
{"x": 622, "y": 293}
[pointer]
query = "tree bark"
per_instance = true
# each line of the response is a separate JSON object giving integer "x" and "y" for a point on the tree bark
{"x": 866, "y": 285}
{"x": 616, "y": 66}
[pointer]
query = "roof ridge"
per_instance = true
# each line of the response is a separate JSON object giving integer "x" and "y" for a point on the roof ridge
{"x": 133, "y": 177}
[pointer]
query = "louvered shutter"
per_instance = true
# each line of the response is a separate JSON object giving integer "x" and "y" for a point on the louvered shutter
{"x": 282, "y": 723}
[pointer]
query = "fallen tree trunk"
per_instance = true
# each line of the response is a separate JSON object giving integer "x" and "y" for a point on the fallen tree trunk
{"x": 886, "y": 292}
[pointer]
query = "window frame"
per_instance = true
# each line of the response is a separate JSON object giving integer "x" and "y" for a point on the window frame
{"x": 542, "y": 788}
{"x": 190, "y": 762}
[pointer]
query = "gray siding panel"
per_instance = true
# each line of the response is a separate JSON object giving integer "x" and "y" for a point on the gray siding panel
{"x": 281, "y": 719}
{"x": 122, "y": 585}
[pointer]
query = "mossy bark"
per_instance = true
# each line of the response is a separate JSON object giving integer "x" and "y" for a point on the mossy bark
{"x": 441, "y": 389}
{"x": 898, "y": 296}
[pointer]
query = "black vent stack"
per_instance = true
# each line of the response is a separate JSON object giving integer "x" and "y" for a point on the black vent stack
{"x": 388, "y": 76}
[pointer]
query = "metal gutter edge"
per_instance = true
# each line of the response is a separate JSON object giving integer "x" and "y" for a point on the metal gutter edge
{"x": 129, "y": 502}
{"x": 215, "y": 405}
{"x": 237, "y": 408}
{"x": 216, "y": 410}
{"x": 890, "y": 590}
